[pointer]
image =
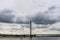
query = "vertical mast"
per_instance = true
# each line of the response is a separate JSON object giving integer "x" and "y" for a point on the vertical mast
{"x": 30, "y": 28}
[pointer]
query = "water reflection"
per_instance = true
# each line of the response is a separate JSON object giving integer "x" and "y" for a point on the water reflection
{"x": 36, "y": 38}
{"x": 30, "y": 38}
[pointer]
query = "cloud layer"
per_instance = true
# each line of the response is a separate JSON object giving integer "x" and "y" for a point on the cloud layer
{"x": 47, "y": 17}
{"x": 41, "y": 12}
{"x": 6, "y": 16}
{"x": 44, "y": 14}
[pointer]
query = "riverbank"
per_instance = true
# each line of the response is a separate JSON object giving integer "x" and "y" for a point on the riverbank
{"x": 16, "y": 36}
{"x": 27, "y": 36}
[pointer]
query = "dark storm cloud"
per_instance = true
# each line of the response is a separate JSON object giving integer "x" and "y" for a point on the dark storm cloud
{"x": 38, "y": 18}
{"x": 5, "y": 16}
{"x": 44, "y": 17}
{"x": 41, "y": 17}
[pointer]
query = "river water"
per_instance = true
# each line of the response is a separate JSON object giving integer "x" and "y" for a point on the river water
{"x": 36, "y": 38}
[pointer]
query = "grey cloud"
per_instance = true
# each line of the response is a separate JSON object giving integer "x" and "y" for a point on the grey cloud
{"x": 6, "y": 11}
{"x": 46, "y": 17}
{"x": 39, "y": 18}
{"x": 52, "y": 8}
{"x": 14, "y": 28}
{"x": 21, "y": 20}
{"x": 42, "y": 27}
{"x": 6, "y": 16}
{"x": 42, "y": 18}
{"x": 54, "y": 28}
{"x": 1, "y": 28}
{"x": 57, "y": 29}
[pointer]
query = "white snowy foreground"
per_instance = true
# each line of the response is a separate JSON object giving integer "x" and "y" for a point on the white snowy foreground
{"x": 21, "y": 29}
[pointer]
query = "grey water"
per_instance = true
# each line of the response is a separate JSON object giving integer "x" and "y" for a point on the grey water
{"x": 35, "y": 38}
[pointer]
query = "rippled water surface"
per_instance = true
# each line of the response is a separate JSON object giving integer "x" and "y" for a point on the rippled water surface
{"x": 36, "y": 38}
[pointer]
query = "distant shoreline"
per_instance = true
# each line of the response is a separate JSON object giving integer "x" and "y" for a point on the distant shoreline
{"x": 26, "y": 36}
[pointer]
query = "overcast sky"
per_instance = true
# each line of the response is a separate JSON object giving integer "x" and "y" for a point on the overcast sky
{"x": 43, "y": 12}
